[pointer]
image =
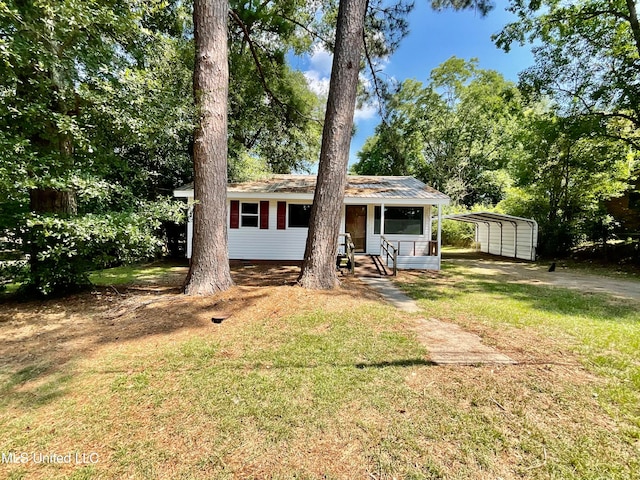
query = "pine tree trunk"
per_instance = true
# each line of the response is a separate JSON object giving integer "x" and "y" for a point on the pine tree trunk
{"x": 209, "y": 271}
{"x": 633, "y": 21}
{"x": 318, "y": 268}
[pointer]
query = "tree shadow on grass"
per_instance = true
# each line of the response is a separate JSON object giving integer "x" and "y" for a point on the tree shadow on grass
{"x": 34, "y": 386}
{"x": 250, "y": 365}
{"x": 41, "y": 340}
{"x": 409, "y": 362}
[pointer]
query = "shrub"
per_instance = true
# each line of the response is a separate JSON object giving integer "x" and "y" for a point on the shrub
{"x": 62, "y": 251}
{"x": 457, "y": 234}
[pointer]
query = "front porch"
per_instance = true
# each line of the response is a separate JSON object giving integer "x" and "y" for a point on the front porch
{"x": 403, "y": 254}
{"x": 410, "y": 254}
{"x": 403, "y": 235}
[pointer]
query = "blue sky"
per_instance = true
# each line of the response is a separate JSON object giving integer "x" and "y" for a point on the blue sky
{"x": 433, "y": 38}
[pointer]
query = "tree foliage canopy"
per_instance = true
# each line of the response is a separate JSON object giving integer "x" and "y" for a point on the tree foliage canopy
{"x": 587, "y": 59}
{"x": 63, "y": 132}
{"x": 470, "y": 134}
{"x": 562, "y": 175}
{"x": 451, "y": 133}
{"x": 274, "y": 117}
{"x": 96, "y": 104}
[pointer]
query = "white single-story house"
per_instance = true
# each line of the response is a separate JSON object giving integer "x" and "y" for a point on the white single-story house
{"x": 268, "y": 218}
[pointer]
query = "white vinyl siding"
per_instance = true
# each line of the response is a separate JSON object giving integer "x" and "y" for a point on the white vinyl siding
{"x": 267, "y": 244}
{"x": 418, "y": 263}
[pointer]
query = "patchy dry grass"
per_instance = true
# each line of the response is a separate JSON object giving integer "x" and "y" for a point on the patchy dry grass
{"x": 556, "y": 327}
{"x": 298, "y": 384}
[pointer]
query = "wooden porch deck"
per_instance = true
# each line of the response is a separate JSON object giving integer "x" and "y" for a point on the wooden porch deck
{"x": 371, "y": 266}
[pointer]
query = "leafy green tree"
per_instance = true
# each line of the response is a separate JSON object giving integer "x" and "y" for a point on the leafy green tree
{"x": 274, "y": 117}
{"x": 52, "y": 52}
{"x": 453, "y": 133}
{"x": 562, "y": 176}
{"x": 587, "y": 67}
{"x": 284, "y": 137}
{"x": 586, "y": 59}
{"x": 97, "y": 123}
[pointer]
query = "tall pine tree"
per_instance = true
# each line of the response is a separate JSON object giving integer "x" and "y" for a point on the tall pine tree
{"x": 209, "y": 271}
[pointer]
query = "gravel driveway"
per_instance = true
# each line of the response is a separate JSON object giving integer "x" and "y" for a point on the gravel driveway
{"x": 521, "y": 272}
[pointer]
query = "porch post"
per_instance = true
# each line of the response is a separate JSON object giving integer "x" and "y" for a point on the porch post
{"x": 381, "y": 224}
{"x": 439, "y": 236}
{"x": 190, "y": 227}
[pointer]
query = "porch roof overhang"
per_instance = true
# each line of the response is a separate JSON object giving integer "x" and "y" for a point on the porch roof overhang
{"x": 390, "y": 190}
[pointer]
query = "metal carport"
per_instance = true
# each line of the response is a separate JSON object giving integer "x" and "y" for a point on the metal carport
{"x": 500, "y": 234}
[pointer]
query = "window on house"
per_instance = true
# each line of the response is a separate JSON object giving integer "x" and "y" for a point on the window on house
{"x": 377, "y": 213}
{"x": 299, "y": 215}
{"x": 404, "y": 220}
{"x": 249, "y": 215}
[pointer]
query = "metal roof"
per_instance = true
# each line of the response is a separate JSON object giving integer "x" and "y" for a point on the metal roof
{"x": 484, "y": 217}
{"x": 358, "y": 186}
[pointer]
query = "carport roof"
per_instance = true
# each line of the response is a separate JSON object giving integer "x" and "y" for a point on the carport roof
{"x": 487, "y": 217}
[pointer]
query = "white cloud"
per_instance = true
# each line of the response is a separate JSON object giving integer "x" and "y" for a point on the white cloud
{"x": 365, "y": 112}
{"x": 318, "y": 77}
{"x": 321, "y": 60}
{"x": 368, "y": 110}
{"x": 319, "y": 71}
{"x": 318, "y": 84}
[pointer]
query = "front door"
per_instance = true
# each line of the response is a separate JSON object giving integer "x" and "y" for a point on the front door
{"x": 356, "y": 225}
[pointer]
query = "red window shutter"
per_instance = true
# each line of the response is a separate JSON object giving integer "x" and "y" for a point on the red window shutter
{"x": 264, "y": 214}
{"x": 235, "y": 214}
{"x": 282, "y": 215}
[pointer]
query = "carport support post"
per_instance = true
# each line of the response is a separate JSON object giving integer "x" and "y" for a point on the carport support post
{"x": 477, "y": 239}
{"x": 488, "y": 237}
{"x": 533, "y": 249}
{"x": 439, "y": 236}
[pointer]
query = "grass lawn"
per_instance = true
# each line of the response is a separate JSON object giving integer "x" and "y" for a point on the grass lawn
{"x": 297, "y": 384}
{"x": 159, "y": 272}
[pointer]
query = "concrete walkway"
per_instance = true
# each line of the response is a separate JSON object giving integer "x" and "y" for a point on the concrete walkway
{"x": 447, "y": 343}
{"x": 391, "y": 293}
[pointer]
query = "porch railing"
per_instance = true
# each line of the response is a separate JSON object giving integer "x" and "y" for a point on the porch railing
{"x": 415, "y": 248}
{"x": 346, "y": 246}
{"x": 390, "y": 251}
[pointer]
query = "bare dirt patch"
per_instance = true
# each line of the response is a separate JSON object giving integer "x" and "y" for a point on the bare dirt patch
{"x": 55, "y": 331}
